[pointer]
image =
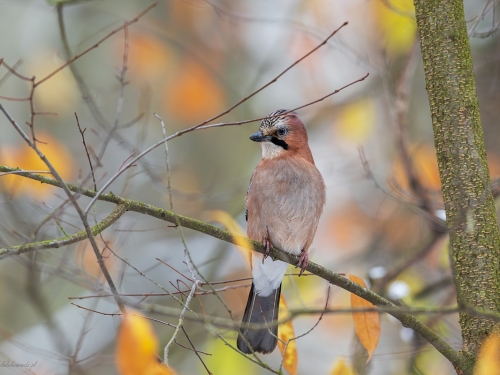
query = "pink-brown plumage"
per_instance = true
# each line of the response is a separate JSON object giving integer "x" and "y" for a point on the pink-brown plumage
{"x": 284, "y": 203}
{"x": 286, "y": 199}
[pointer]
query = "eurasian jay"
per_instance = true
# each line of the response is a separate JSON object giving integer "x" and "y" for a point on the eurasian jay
{"x": 284, "y": 202}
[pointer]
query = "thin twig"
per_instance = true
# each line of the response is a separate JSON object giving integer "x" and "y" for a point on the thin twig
{"x": 196, "y": 351}
{"x": 199, "y": 127}
{"x": 309, "y": 331}
{"x": 111, "y": 33}
{"x": 173, "y": 269}
{"x": 274, "y": 79}
{"x": 67, "y": 240}
{"x": 86, "y": 150}
{"x": 187, "y": 255}
{"x": 181, "y": 321}
{"x": 71, "y": 197}
{"x": 12, "y": 70}
{"x": 404, "y": 317}
{"x": 185, "y": 347}
{"x": 9, "y": 72}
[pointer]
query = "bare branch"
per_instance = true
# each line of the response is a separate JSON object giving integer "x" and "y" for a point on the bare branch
{"x": 72, "y": 198}
{"x": 107, "y": 36}
{"x": 405, "y": 318}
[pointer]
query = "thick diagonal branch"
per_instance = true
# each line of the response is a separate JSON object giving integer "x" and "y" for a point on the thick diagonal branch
{"x": 405, "y": 318}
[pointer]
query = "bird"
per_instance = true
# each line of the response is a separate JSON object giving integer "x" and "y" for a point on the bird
{"x": 284, "y": 202}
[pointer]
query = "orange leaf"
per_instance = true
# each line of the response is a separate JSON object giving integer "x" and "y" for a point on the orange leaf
{"x": 488, "y": 359}
{"x": 424, "y": 163}
{"x": 340, "y": 367}
{"x": 367, "y": 324}
{"x": 232, "y": 226}
{"x": 194, "y": 94}
{"x": 22, "y": 156}
{"x": 136, "y": 348}
{"x": 148, "y": 57}
{"x": 286, "y": 333}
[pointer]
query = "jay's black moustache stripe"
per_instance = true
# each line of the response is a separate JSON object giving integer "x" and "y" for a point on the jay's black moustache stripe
{"x": 279, "y": 142}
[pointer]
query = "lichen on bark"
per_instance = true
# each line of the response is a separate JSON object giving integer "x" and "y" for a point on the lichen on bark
{"x": 463, "y": 168}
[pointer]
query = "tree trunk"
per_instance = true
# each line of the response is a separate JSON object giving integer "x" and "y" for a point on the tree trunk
{"x": 463, "y": 168}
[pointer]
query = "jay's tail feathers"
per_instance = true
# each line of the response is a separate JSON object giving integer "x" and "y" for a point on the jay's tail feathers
{"x": 260, "y": 310}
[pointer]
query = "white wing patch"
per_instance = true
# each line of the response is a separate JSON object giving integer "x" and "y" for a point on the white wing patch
{"x": 267, "y": 276}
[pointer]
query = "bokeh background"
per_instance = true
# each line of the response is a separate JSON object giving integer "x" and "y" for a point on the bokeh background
{"x": 188, "y": 61}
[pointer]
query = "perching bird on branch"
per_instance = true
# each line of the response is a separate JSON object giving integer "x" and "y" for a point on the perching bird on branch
{"x": 284, "y": 202}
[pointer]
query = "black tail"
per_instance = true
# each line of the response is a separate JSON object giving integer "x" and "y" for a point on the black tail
{"x": 261, "y": 310}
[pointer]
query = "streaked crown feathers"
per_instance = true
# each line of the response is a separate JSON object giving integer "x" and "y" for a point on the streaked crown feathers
{"x": 270, "y": 122}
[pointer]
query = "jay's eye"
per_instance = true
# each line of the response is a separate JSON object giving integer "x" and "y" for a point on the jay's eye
{"x": 281, "y": 131}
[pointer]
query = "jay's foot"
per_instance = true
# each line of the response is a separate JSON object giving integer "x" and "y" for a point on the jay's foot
{"x": 303, "y": 261}
{"x": 269, "y": 246}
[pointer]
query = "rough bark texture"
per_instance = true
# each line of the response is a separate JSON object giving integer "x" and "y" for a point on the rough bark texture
{"x": 458, "y": 136}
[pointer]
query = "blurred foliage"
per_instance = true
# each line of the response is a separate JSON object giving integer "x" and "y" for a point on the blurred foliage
{"x": 397, "y": 24}
{"x": 188, "y": 61}
{"x": 286, "y": 344}
{"x": 341, "y": 367}
{"x": 489, "y": 358}
{"x": 20, "y": 155}
{"x": 367, "y": 323}
{"x": 137, "y": 347}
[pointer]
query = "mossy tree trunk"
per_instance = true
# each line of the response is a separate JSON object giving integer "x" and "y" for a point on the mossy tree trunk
{"x": 463, "y": 168}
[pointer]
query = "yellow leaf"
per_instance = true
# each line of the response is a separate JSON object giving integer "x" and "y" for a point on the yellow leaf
{"x": 22, "y": 156}
{"x": 340, "y": 367}
{"x": 59, "y": 93}
{"x": 286, "y": 333}
{"x": 355, "y": 121}
{"x": 225, "y": 361}
{"x": 232, "y": 226}
{"x": 488, "y": 362}
{"x": 367, "y": 324}
{"x": 397, "y": 24}
{"x": 136, "y": 348}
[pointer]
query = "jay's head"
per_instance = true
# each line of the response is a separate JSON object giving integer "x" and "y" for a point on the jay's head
{"x": 281, "y": 135}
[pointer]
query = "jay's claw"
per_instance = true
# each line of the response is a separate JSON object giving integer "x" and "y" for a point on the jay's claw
{"x": 303, "y": 261}
{"x": 269, "y": 246}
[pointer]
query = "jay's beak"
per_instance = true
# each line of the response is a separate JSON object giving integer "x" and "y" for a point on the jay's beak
{"x": 259, "y": 137}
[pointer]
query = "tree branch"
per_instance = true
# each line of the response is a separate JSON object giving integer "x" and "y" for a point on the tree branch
{"x": 406, "y": 319}
{"x": 68, "y": 240}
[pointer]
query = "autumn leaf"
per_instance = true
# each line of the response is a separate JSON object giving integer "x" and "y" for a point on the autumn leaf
{"x": 148, "y": 57}
{"x": 367, "y": 324}
{"x": 22, "y": 156}
{"x": 488, "y": 362}
{"x": 340, "y": 367}
{"x": 356, "y": 120}
{"x": 194, "y": 94}
{"x": 286, "y": 333}
{"x": 58, "y": 94}
{"x": 232, "y": 226}
{"x": 424, "y": 163}
{"x": 137, "y": 347}
{"x": 396, "y": 22}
